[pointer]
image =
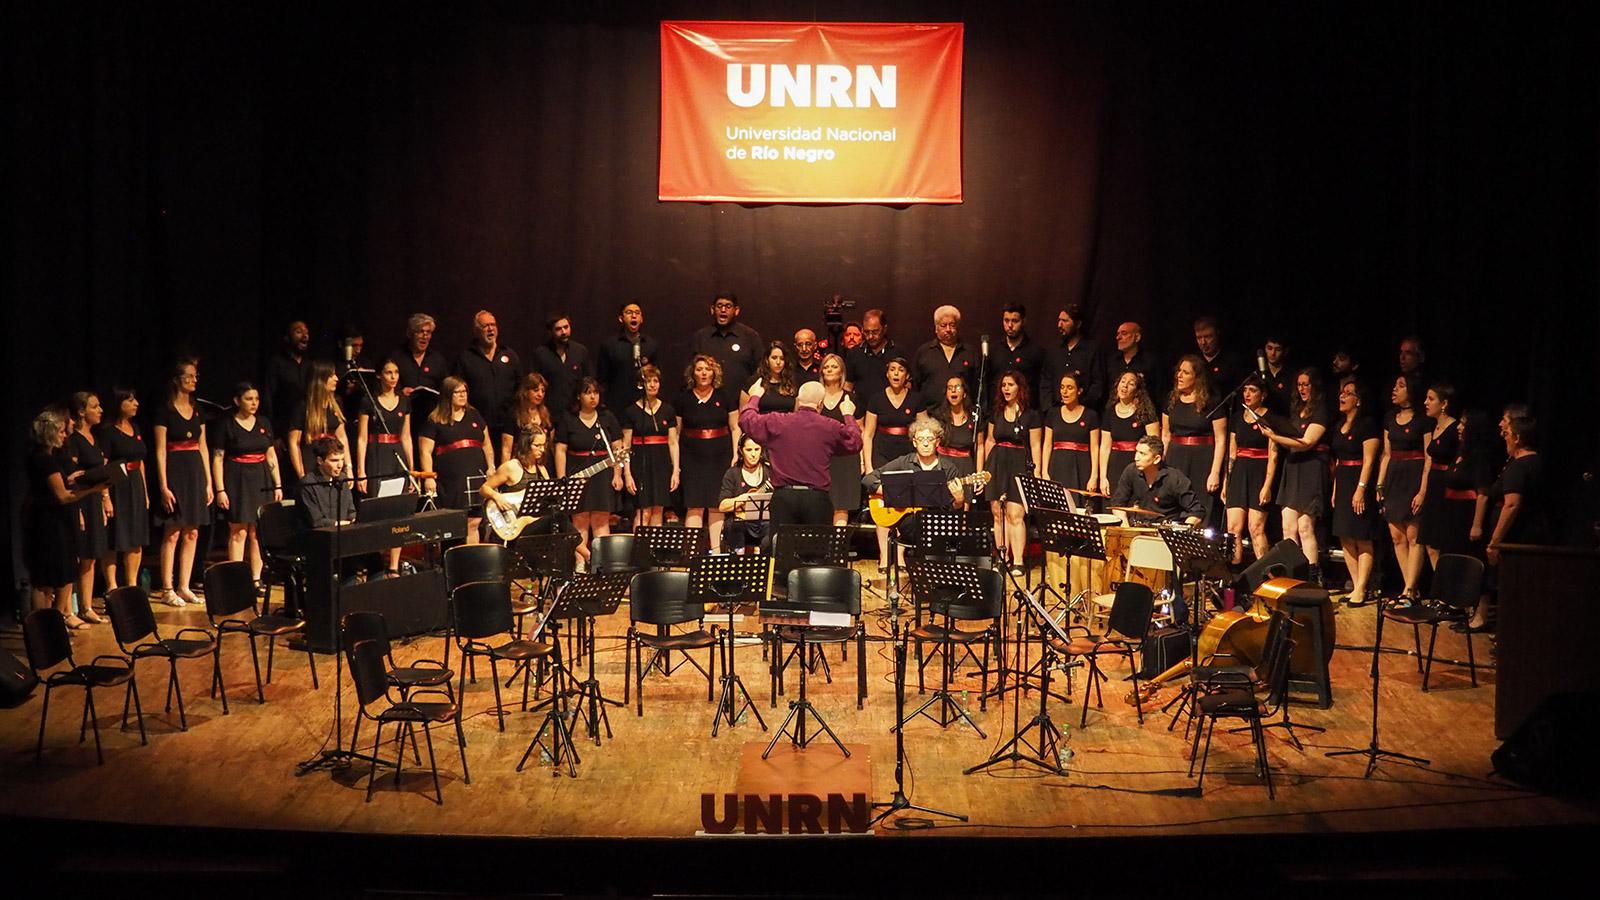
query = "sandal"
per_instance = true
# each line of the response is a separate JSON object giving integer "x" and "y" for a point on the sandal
{"x": 74, "y": 623}
{"x": 93, "y": 618}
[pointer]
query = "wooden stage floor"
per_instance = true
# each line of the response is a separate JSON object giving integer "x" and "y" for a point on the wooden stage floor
{"x": 239, "y": 771}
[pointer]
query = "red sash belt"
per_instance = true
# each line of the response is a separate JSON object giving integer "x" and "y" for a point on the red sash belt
{"x": 1252, "y": 452}
{"x": 705, "y": 434}
{"x": 183, "y": 445}
{"x": 1460, "y": 494}
{"x": 1404, "y": 455}
{"x": 458, "y": 445}
{"x": 384, "y": 438}
{"x": 1348, "y": 462}
{"x": 1440, "y": 468}
{"x": 1009, "y": 446}
{"x": 893, "y": 429}
{"x": 955, "y": 452}
{"x": 586, "y": 453}
{"x": 1129, "y": 446}
{"x": 650, "y": 439}
{"x": 1199, "y": 440}
{"x": 248, "y": 458}
{"x": 1070, "y": 445}
{"x": 134, "y": 465}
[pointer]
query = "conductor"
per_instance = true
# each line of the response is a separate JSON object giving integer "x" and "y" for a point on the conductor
{"x": 800, "y": 445}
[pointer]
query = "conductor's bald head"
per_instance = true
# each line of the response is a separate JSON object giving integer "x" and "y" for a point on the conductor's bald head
{"x": 810, "y": 395}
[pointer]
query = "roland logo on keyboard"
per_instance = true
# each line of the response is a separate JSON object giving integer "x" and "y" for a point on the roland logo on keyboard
{"x": 399, "y": 529}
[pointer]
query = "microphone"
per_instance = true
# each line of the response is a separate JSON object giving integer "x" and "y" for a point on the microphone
{"x": 638, "y": 366}
{"x": 349, "y": 350}
{"x": 1261, "y": 363}
{"x": 983, "y": 341}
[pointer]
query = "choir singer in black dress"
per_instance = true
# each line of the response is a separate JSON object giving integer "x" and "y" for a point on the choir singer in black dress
{"x": 119, "y": 438}
{"x": 584, "y": 437}
{"x": 454, "y": 443}
{"x": 50, "y": 518}
{"x": 94, "y": 513}
{"x": 183, "y": 471}
{"x": 245, "y": 464}
{"x": 650, "y": 430}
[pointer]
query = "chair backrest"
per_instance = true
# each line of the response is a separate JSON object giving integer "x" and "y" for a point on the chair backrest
{"x": 230, "y": 589}
{"x": 475, "y": 562}
{"x": 1130, "y": 610}
{"x": 662, "y": 598}
{"x": 988, "y": 605}
{"x": 44, "y": 632}
{"x": 482, "y": 609}
{"x": 611, "y": 553}
{"x": 132, "y": 620}
{"x": 834, "y": 589}
{"x": 1458, "y": 580}
{"x": 276, "y": 524}
{"x": 366, "y": 626}
{"x": 1149, "y": 551}
{"x": 368, "y": 671}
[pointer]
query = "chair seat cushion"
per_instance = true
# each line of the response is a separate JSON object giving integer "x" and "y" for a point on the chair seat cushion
{"x": 816, "y": 635}
{"x": 691, "y": 641}
{"x": 932, "y": 632}
{"x": 419, "y": 676}
{"x": 520, "y": 650}
{"x": 1230, "y": 702}
{"x": 183, "y": 648}
{"x": 92, "y": 675}
{"x": 419, "y": 712}
{"x": 276, "y": 625}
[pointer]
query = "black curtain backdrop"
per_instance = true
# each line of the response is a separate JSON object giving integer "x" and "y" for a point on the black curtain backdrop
{"x": 188, "y": 178}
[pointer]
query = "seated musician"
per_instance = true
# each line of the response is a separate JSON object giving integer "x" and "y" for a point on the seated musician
{"x": 325, "y": 495}
{"x": 1163, "y": 490}
{"x": 927, "y": 436}
{"x": 750, "y": 526}
{"x": 526, "y": 464}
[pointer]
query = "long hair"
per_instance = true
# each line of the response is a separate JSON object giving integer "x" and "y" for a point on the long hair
{"x": 1144, "y": 409}
{"x": 1000, "y": 398}
{"x": 1202, "y": 385}
{"x": 447, "y": 391}
{"x": 119, "y": 396}
{"x": 523, "y": 444}
{"x": 523, "y": 412}
{"x": 785, "y": 384}
{"x": 942, "y": 411}
{"x": 79, "y": 404}
{"x": 842, "y": 372}
{"x": 175, "y": 375}
{"x": 716, "y": 370}
{"x": 320, "y": 401}
{"x": 1302, "y": 408}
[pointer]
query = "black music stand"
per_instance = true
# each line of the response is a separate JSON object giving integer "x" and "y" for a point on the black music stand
{"x": 952, "y": 532}
{"x": 909, "y": 489}
{"x": 728, "y": 580}
{"x": 929, "y": 580}
{"x": 1050, "y": 736}
{"x": 666, "y": 547}
{"x": 797, "y": 546}
{"x": 589, "y": 597}
{"x": 1070, "y": 534}
{"x": 1374, "y": 751}
{"x": 560, "y": 746}
{"x": 801, "y": 707}
{"x": 541, "y": 498}
{"x": 1197, "y": 551}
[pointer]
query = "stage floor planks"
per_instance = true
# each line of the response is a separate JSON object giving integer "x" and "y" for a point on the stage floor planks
{"x": 1123, "y": 779}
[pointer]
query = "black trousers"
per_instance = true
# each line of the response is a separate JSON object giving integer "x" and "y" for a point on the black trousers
{"x": 800, "y": 506}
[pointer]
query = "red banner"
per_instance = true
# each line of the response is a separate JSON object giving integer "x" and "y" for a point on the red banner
{"x": 784, "y": 112}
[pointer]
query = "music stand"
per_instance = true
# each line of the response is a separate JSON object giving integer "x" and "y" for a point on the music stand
{"x": 930, "y": 580}
{"x": 1194, "y": 552}
{"x": 589, "y": 597}
{"x": 728, "y": 580}
{"x": 666, "y": 547}
{"x": 1070, "y": 534}
{"x": 950, "y": 532}
{"x": 810, "y": 545}
{"x": 1050, "y": 736}
{"x": 801, "y": 707}
{"x": 555, "y": 723}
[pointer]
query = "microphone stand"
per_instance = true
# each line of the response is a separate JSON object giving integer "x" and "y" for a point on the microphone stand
{"x": 899, "y": 801}
{"x": 405, "y": 467}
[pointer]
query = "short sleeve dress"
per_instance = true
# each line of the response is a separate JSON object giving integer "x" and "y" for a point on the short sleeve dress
{"x": 245, "y": 473}
{"x": 94, "y": 535}
{"x": 130, "y": 522}
{"x": 704, "y": 445}
{"x": 586, "y": 445}
{"x": 1348, "y": 454}
{"x": 1012, "y": 455}
{"x": 385, "y": 458}
{"x": 1070, "y": 459}
{"x": 186, "y": 468}
{"x": 651, "y": 460}
{"x": 457, "y": 456}
{"x": 1404, "y": 477}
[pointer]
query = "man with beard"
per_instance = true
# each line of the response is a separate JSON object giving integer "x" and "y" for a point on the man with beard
{"x": 288, "y": 370}
{"x": 1019, "y": 352}
{"x": 562, "y": 361}
{"x": 734, "y": 345}
{"x": 807, "y": 364}
{"x": 490, "y": 370}
{"x": 1225, "y": 370}
{"x": 865, "y": 363}
{"x": 1075, "y": 353}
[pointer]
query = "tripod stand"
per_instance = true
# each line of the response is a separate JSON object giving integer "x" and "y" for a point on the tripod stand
{"x": 900, "y": 801}
{"x": 1372, "y": 751}
{"x": 588, "y": 597}
{"x": 1050, "y": 736}
{"x": 929, "y": 580}
{"x": 799, "y": 709}
{"x": 728, "y": 581}
{"x": 559, "y": 744}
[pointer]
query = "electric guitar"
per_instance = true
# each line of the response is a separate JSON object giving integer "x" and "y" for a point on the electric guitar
{"x": 890, "y": 516}
{"x": 508, "y": 525}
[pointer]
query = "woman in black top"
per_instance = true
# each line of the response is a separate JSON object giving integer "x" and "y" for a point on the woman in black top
{"x": 1252, "y": 468}
{"x": 844, "y": 470}
{"x": 1405, "y": 444}
{"x": 121, "y": 442}
{"x": 94, "y": 536}
{"x": 526, "y": 410}
{"x": 708, "y": 432}
{"x": 586, "y": 436}
{"x": 1012, "y": 450}
{"x": 1072, "y": 440}
{"x": 454, "y": 442}
{"x": 650, "y": 430}
{"x": 1196, "y": 446}
{"x": 1444, "y": 445}
{"x": 963, "y": 426}
{"x": 383, "y": 433}
{"x": 1354, "y": 444}
{"x": 183, "y": 472}
{"x": 1129, "y": 416}
{"x": 50, "y": 518}
{"x": 1305, "y": 470}
{"x": 245, "y": 463}
{"x": 776, "y": 375}
{"x": 1453, "y": 515}
{"x": 318, "y": 416}
{"x": 1518, "y": 506}
{"x": 886, "y": 431}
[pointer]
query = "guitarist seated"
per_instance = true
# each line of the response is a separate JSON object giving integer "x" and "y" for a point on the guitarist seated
{"x": 927, "y": 435}
{"x": 525, "y": 465}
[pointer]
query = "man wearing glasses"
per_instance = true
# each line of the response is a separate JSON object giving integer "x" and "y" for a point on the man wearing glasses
{"x": 730, "y": 342}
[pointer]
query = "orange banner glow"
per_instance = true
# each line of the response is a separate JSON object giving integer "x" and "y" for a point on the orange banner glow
{"x": 783, "y": 112}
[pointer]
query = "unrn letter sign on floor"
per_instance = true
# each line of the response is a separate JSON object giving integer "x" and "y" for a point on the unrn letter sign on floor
{"x": 786, "y": 112}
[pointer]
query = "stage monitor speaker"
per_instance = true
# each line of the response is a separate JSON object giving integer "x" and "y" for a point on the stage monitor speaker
{"x": 17, "y": 681}
{"x": 1553, "y": 751}
{"x": 1284, "y": 560}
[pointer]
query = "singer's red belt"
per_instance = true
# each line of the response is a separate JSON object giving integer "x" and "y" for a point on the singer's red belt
{"x": 1404, "y": 455}
{"x": 586, "y": 453}
{"x": 650, "y": 439}
{"x": 384, "y": 438}
{"x": 248, "y": 458}
{"x": 183, "y": 445}
{"x": 1199, "y": 440}
{"x": 1252, "y": 452}
{"x": 705, "y": 434}
{"x": 1348, "y": 462}
{"x": 1319, "y": 448}
{"x": 1439, "y": 468}
{"x": 1070, "y": 445}
{"x": 458, "y": 445}
{"x": 134, "y": 465}
{"x": 1125, "y": 445}
{"x": 1009, "y": 445}
{"x": 893, "y": 429}
{"x": 955, "y": 452}
{"x": 1460, "y": 494}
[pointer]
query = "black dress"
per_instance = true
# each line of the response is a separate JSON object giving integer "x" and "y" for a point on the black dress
{"x": 1011, "y": 455}
{"x": 1449, "y": 504}
{"x": 960, "y": 445}
{"x": 702, "y": 460}
{"x": 1305, "y": 472}
{"x": 585, "y": 447}
{"x": 93, "y": 533}
{"x": 1404, "y": 478}
{"x": 246, "y": 475}
{"x": 1193, "y": 460}
{"x": 130, "y": 522}
{"x": 49, "y": 534}
{"x": 651, "y": 462}
{"x": 1248, "y": 473}
{"x": 1124, "y": 435}
{"x": 893, "y": 435}
{"x": 1070, "y": 460}
{"x": 186, "y": 469}
{"x": 844, "y": 470}
{"x": 457, "y": 455}
{"x": 385, "y": 456}
{"x": 1348, "y": 449}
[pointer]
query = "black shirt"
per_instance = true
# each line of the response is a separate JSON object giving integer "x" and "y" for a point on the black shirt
{"x": 1028, "y": 358}
{"x": 738, "y": 348}
{"x": 1225, "y": 371}
{"x": 619, "y": 377}
{"x": 491, "y": 383}
{"x": 1143, "y": 362}
{"x": 1087, "y": 360}
{"x": 562, "y": 374}
{"x": 908, "y": 462}
{"x": 1170, "y": 494}
{"x": 283, "y": 387}
{"x": 864, "y": 368}
{"x": 1280, "y": 389}
{"x": 804, "y": 373}
{"x": 930, "y": 371}
{"x": 427, "y": 373}
{"x": 326, "y": 503}
{"x": 1523, "y": 476}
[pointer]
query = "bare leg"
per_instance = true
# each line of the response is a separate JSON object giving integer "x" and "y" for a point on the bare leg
{"x": 169, "y": 551}
{"x": 108, "y": 565}
{"x": 999, "y": 526}
{"x": 841, "y": 517}
{"x": 1433, "y": 556}
{"x": 1307, "y": 527}
{"x": 237, "y": 537}
{"x": 1236, "y": 517}
{"x": 253, "y": 553}
{"x": 714, "y": 528}
{"x": 1411, "y": 568}
{"x": 185, "y": 568}
{"x": 1358, "y": 560}
{"x": 695, "y": 518}
{"x": 86, "y": 591}
{"x": 1258, "y": 533}
{"x": 883, "y": 546}
{"x": 474, "y": 528}
{"x": 1016, "y": 533}
{"x": 131, "y": 563}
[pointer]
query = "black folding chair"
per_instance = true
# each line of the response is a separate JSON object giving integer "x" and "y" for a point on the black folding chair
{"x": 44, "y": 633}
{"x": 134, "y": 625}
{"x": 231, "y": 608}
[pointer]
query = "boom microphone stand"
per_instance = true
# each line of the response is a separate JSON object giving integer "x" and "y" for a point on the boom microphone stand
{"x": 1372, "y": 751}
{"x": 899, "y": 801}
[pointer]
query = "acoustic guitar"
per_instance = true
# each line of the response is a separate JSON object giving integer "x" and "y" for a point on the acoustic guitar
{"x": 890, "y": 516}
{"x": 508, "y": 525}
